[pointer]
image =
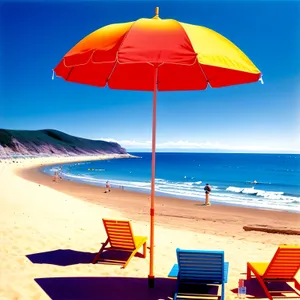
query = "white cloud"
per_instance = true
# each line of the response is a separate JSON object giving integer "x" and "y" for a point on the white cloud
{"x": 129, "y": 143}
{"x": 170, "y": 144}
{"x": 196, "y": 146}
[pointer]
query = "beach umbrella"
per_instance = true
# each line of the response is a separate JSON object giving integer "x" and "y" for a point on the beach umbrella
{"x": 156, "y": 55}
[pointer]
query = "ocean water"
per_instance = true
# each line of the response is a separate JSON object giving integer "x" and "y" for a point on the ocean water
{"x": 184, "y": 175}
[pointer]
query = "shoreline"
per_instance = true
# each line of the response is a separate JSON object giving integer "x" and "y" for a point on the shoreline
{"x": 200, "y": 199}
{"x": 135, "y": 206}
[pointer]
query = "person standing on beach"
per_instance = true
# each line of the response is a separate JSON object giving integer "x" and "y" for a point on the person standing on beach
{"x": 207, "y": 190}
{"x": 107, "y": 185}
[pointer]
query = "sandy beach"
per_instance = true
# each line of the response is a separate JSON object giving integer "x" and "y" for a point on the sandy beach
{"x": 51, "y": 231}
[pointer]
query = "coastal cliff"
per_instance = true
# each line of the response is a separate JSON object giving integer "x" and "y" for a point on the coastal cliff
{"x": 51, "y": 142}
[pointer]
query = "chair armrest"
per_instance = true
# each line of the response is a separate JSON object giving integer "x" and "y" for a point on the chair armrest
{"x": 226, "y": 268}
{"x": 174, "y": 271}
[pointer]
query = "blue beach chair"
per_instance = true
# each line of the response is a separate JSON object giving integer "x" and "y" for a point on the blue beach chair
{"x": 199, "y": 267}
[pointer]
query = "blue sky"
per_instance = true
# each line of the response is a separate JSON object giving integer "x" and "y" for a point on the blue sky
{"x": 247, "y": 118}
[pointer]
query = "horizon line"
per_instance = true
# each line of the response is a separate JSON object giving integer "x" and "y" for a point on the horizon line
{"x": 212, "y": 152}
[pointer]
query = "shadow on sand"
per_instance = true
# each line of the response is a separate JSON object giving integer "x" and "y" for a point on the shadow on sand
{"x": 278, "y": 289}
{"x": 106, "y": 288}
{"x": 114, "y": 288}
{"x": 67, "y": 257}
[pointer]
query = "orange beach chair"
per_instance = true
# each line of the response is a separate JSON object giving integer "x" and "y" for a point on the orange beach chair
{"x": 120, "y": 237}
{"x": 283, "y": 268}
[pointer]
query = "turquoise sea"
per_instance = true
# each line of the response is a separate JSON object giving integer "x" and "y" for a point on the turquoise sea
{"x": 184, "y": 175}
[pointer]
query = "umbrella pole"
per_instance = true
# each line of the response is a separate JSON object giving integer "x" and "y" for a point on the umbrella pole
{"x": 151, "y": 272}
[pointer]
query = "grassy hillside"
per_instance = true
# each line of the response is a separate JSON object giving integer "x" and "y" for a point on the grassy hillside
{"x": 48, "y": 141}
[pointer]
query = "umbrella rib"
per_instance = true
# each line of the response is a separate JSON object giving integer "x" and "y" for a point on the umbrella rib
{"x": 203, "y": 72}
{"x": 69, "y": 73}
{"x": 112, "y": 70}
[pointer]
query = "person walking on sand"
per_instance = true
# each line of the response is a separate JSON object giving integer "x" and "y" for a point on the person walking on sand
{"x": 107, "y": 185}
{"x": 55, "y": 176}
{"x": 207, "y": 190}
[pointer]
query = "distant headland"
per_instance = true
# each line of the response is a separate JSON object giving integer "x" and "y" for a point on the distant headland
{"x": 49, "y": 142}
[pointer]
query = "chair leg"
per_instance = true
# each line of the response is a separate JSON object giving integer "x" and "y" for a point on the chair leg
{"x": 130, "y": 257}
{"x": 176, "y": 290}
{"x": 297, "y": 284}
{"x": 263, "y": 285}
{"x": 96, "y": 258}
{"x": 248, "y": 271}
{"x": 223, "y": 291}
{"x": 260, "y": 280}
{"x": 134, "y": 253}
{"x": 145, "y": 250}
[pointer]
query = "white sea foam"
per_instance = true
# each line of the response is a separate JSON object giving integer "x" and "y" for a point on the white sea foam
{"x": 188, "y": 183}
{"x": 234, "y": 189}
{"x": 250, "y": 191}
{"x": 253, "y": 191}
{"x": 54, "y": 169}
{"x": 249, "y": 197}
{"x": 197, "y": 182}
{"x": 266, "y": 199}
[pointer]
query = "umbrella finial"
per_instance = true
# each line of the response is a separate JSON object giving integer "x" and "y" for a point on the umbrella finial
{"x": 261, "y": 80}
{"x": 156, "y": 11}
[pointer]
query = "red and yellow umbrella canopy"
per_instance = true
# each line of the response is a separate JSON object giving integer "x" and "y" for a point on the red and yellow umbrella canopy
{"x": 185, "y": 57}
